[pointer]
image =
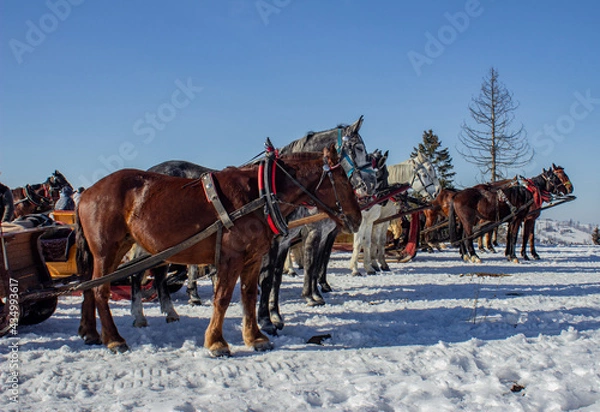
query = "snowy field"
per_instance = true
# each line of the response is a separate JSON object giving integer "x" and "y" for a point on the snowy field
{"x": 437, "y": 334}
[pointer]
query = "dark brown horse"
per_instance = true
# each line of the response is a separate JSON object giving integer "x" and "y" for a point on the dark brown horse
{"x": 40, "y": 197}
{"x": 159, "y": 211}
{"x": 492, "y": 203}
{"x": 565, "y": 188}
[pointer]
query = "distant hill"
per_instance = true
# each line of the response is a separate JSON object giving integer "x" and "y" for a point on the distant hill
{"x": 553, "y": 232}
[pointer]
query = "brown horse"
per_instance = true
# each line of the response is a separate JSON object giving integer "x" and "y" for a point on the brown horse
{"x": 488, "y": 203}
{"x": 565, "y": 188}
{"x": 40, "y": 197}
{"x": 159, "y": 211}
{"x": 439, "y": 211}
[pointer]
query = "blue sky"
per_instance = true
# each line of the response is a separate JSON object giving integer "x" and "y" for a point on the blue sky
{"x": 90, "y": 86}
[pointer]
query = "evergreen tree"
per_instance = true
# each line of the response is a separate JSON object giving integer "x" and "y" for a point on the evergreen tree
{"x": 596, "y": 236}
{"x": 440, "y": 157}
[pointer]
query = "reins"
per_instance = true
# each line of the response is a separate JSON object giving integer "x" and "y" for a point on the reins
{"x": 272, "y": 202}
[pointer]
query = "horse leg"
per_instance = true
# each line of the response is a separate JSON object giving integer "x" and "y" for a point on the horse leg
{"x": 270, "y": 277}
{"x": 265, "y": 282}
{"x": 137, "y": 310}
{"x": 193, "y": 272}
{"x": 164, "y": 297}
{"x": 356, "y": 245}
{"x": 288, "y": 266}
{"x": 480, "y": 243}
{"x": 511, "y": 240}
{"x": 526, "y": 235}
{"x": 253, "y": 337}
{"x": 87, "y": 326}
{"x": 310, "y": 292}
{"x": 224, "y": 286}
{"x": 379, "y": 240}
{"x": 532, "y": 241}
{"x": 323, "y": 261}
{"x": 110, "y": 334}
{"x": 489, "y": 237}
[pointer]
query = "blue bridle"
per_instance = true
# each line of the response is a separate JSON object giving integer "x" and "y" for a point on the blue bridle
{"x": 347, "y": 160}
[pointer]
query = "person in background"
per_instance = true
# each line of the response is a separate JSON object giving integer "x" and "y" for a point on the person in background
{"x": 65, "y": 201}
{"x": 7, "y": 205}
{"x": 78, "y": 194}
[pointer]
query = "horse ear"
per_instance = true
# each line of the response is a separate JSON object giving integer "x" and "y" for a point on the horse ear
{"x": 357, "y": 125}
{"x": 554, "y": 166}
{"x": 331, "y": 156}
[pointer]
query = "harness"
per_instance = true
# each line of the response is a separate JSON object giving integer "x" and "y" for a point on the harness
{"x": 539, "y": 196}
{"x": 417, "y": 175}
{"x": 268, "y": 195}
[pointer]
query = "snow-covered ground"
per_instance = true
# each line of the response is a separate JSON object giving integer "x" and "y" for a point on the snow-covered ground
{"x": 437, "y": 334}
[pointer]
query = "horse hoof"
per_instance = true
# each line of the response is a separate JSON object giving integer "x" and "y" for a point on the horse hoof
{"x": 263, "y": 346}
{"x": 536, "y": 257}
{"x": 92, "y": 341}
{"x": 118, "y": 347}
{"x": 277, "y": 320}
{"x": 292, "y": 273}
{"x": 171, "y": 319}
{"x": 194, "y": 301}
{"x": 385, "y": 268}
{"x": 370, "y": 272}
{"x": 315, "y": 302}
{"x": 325, "y": 288}
{"x": 475, "y": 259}
{"x": 269, "y": 329}
{"x": 220, "y": 353}
{"x": 357, "y": 273}
{"x": 140, "y": 324}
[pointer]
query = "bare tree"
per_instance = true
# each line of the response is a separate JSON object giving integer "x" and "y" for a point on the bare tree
{"x": 491, "y": 145}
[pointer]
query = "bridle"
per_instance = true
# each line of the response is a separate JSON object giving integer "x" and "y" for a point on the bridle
{"x": 347, "y": 153}
{"x": 418, "y": 166}
{"x": 267, "y": 189}
{"x": 566, "y": 182}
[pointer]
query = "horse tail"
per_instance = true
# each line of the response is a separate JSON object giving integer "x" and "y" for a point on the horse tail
{"x": 85, "y": 263}
{"x": 452, "y": 222}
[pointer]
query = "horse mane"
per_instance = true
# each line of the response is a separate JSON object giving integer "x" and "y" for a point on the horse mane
{"x": 311, "y": 141}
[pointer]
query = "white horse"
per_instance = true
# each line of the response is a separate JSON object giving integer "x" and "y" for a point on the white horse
{"x": 419, "y": 173}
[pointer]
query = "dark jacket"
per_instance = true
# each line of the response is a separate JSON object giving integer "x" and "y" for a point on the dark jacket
{"x": 65, "y": 201}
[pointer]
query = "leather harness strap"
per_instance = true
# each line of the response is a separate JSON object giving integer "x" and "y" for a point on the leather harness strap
{"x": 213, "y": 197}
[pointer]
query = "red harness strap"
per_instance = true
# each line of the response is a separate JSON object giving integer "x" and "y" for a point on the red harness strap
{"x": 539, "y": 196}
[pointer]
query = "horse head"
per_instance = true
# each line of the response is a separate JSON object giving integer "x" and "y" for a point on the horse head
{"x": 341, "y": 194}
{"x": 426, "y": 179}
{"x": 55, "y": 183}
{"x": 559, "y": 172}
{"x": 354, "y": 159}
{"x": 378, "y": 161}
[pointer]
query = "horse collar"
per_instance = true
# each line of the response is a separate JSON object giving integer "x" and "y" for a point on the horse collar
{"x": 268, "y": 190}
